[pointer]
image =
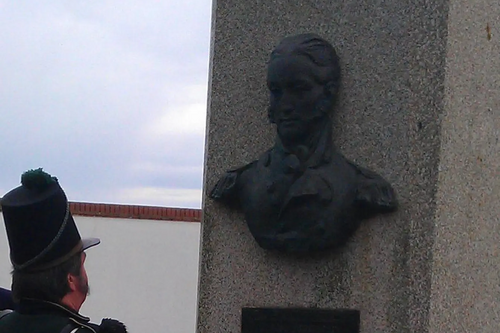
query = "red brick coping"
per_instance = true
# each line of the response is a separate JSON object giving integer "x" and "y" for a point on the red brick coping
{"x": 135, "y": 212}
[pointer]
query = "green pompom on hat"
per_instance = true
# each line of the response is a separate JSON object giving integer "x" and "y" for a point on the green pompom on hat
{"x": 37, "y": 179}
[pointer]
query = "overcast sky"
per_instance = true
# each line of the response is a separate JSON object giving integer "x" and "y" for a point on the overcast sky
{"x": 109, "y": 96}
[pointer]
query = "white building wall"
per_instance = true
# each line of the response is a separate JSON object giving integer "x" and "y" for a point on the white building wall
{"x": 144, "y": 273}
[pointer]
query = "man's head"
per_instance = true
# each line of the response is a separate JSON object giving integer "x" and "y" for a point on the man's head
{"x": 66, "y": 283}
{"x": 46, "y": 249}
{"x": 303, "y": 80}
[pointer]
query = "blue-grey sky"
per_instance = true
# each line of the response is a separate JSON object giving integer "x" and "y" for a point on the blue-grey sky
{"x": 109, "y": 96}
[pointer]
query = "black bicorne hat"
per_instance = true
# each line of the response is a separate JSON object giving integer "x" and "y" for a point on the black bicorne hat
{"x": 41, "y": 231}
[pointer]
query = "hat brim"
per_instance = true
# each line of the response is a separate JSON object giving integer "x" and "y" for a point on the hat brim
{"x": 89, "y": 242}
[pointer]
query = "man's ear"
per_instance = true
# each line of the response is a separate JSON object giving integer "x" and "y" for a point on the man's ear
{"x": 73, "y": 282}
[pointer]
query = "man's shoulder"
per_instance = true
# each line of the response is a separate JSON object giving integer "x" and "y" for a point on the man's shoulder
{"x": 107, "y": 326}
{"x": 77, "y": 327}
{"x": 15, "y": 322}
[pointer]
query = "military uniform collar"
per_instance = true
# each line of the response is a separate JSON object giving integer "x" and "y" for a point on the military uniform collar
{"x": 322, "y": 151}
{"x": 35, "y": 306}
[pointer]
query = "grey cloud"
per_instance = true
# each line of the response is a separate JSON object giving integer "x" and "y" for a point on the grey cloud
{"x": 83, "y": 79}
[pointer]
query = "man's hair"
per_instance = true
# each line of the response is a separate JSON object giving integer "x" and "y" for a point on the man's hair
{"x": 316, "y": 49}
{"x": 48, "y": 285}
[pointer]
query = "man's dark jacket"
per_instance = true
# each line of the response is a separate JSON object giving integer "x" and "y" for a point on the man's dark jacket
{"x": 47, "y": 317}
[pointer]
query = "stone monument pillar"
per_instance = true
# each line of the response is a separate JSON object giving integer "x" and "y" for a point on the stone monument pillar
{"x": 419, "y": 104}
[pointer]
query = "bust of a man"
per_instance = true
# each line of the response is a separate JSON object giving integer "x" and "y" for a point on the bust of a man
{"x": 303, "y": 195}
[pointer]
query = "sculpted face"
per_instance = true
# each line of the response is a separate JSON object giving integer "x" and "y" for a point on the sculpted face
{"x": 298, "y": 100}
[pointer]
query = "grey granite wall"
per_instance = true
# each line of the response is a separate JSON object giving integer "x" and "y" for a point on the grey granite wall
{"x": 465, "y": 294}
{"x": 393, "y": 55}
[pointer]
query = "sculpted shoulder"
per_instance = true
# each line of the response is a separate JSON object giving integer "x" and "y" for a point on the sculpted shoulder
{"x": 227, "y": 187}
{"x": 374, "y": 195}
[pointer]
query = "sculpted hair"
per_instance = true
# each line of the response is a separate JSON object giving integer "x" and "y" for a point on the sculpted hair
{"x": 48, "y": 285}
{"x": 316, "y": 49}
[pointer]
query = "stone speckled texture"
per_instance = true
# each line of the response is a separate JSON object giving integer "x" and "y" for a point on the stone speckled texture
{"x": 388, "y": 119}
{"x": 466, "y": 278}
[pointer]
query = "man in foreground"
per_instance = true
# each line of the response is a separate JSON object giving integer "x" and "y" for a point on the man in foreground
{"x": 49, "y": 281}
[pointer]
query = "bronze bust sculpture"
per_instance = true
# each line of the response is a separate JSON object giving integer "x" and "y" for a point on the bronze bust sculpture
{"x": 303, "y": 195}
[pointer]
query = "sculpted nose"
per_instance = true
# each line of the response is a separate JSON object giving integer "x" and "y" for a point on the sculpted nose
{"x": 286, "y": 106}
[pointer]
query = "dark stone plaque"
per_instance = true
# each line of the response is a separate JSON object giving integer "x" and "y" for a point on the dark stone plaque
{"x": 268, "y": 320}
